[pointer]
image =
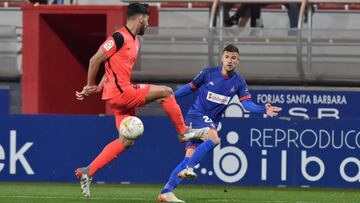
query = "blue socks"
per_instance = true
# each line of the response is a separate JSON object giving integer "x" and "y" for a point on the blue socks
{"x": 174, "y": 180}
{"x": 200, "y": 153}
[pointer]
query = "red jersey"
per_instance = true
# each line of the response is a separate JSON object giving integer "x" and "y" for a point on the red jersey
{"x": 122, "y": 50}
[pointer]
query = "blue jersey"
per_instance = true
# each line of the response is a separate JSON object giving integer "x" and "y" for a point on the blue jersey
{"x": 215, "y": 92}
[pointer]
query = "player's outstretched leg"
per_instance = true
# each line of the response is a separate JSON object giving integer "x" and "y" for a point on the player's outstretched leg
{"x": 109, "y": 153}
{"x": 85, "y": 180}
{"x": 198, "y": 155}
{"x": 188, "y": 173}
{"x": 166, "y": 194}
{"x": 168, "y": 197}
{"x": 192, "y": 133}
{"x": 173, "y": 111}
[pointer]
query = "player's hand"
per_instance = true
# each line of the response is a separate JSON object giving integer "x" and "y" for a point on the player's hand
{"x": 272, "y": 110}
{"x": 87, "y": 91}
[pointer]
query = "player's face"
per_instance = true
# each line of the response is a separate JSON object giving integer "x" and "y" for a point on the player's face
{"x": 144, "y": 23}
{"x": 230, "y": 60}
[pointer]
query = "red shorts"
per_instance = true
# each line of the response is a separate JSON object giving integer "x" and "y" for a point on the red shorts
{"x": 125, "y": 104}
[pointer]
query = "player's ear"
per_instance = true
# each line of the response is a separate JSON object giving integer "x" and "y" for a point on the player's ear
{"x": 222, "y": 56}
{"x": 238, "y": 58}
{"x": 142, "y": 17}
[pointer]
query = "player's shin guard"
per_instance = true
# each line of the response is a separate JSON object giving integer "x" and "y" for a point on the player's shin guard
{"x": 174, "y": 180}
{"x": 200, "y": 153}
{"x": 109, "y": 153}
{"x": 173, "y": 111}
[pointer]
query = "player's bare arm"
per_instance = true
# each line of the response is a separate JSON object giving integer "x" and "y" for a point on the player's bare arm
{"x": 101, "y": 84}
{"x": 94, "y": 64}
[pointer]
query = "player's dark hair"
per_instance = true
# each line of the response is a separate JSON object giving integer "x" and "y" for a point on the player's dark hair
{"x": 137, "y": 8}
{"x": 231, "y": 48}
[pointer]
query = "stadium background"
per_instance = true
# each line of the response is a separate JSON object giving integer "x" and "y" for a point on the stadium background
{"x": 312, "y": 74}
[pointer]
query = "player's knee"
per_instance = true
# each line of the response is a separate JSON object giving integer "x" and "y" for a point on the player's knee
{"x": 166, "y": 91}
{"x": 125, "y": 142}
{"x": 130, "y": 144}
{"x": 216, "y": 140}
{"x": 213, "y": 136}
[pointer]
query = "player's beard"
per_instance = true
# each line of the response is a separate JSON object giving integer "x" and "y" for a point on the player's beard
{"x": 142, "y": 30}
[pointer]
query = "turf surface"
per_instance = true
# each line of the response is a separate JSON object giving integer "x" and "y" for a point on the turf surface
{"x": 68, "y": 192}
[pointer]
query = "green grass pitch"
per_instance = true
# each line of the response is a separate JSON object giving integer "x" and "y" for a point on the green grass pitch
{"x": 69, "y": 192}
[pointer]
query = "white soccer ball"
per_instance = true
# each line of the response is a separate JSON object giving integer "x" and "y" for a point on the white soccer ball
{"x": 131, "y": 127}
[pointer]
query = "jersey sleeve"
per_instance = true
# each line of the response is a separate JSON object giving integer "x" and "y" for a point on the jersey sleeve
{"x": 199, "y": 79}
{"x": 112, "y": 44}
{"x": 243, "y": 92}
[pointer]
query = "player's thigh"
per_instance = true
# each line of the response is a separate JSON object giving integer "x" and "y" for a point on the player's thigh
{"x": 202, "y": 122}
{"x": 137, "y": 95}
{"x": 132, "y": 97}
{"x": 121, "y": 113}
{"x": 158, "y": 92}
{"x": 211, "y": 135}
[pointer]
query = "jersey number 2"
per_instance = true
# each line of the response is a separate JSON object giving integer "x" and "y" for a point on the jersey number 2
{"x": 207, "y": 119}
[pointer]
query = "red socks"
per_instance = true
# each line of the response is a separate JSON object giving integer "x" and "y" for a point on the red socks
{"x": 109, "y": 153}
{"x": 173, "y": 111}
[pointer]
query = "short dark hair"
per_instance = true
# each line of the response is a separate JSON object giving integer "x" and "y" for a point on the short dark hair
{"x": 231, "y": 48}
{"x": 137, "y": 8}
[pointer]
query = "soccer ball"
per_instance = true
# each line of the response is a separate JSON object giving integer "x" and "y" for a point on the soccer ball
{"x": 131, "y": 127}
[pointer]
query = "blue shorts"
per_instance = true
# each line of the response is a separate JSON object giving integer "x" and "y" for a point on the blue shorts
{"x": 198, "y": 122}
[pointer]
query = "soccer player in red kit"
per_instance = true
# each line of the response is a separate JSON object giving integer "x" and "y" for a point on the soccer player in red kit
{"x": 119, "y": 52}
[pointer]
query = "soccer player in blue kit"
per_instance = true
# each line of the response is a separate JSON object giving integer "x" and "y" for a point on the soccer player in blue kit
{"x": 217, "y": 86}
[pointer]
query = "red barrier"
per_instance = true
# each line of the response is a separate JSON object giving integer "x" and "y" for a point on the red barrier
{"x": 58, "y": 42}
